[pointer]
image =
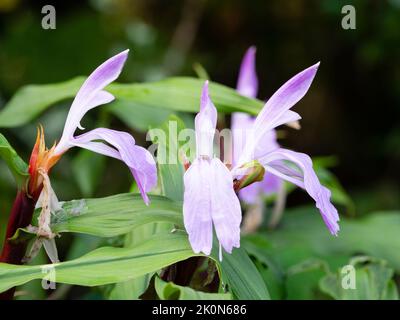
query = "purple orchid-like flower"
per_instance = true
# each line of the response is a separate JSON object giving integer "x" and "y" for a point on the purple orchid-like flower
{"x": 116, "y": 144}
{"x": 241, "y": 125}
{"x": 112, "y": 143}
{"x": 209, "y": 197}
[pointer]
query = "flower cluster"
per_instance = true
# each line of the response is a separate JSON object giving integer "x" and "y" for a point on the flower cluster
{"x": 210, "y": 201}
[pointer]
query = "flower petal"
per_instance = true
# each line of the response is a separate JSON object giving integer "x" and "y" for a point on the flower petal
{"x": 197, "y": 205}
{"x": 275, "y": 111}
{"x": 251, "y": 193}
{"x": 247, "y": 81}
{"x": 205, "y": 124}
{"x": 306, "y": 179}
{"x": 225, "y": 206}
{"x": 241, "y": 125}
{"x": 288, "y": 118}
{"x": 285, "y": 98}
{"x": 270, "y": 183}
{"x": 209, "y": 198}
{"x": 91, "y": 95}
{"x": 265, "y": 145}
{"x": 138, "y": 159}
{"x": 248, "y": 86}
{"x": 101, "y": 97}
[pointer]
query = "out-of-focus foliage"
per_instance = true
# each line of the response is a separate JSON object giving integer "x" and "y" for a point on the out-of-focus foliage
{"x": 298, "y": 257}
{"x": 373, "y": 279}
{"x": 171, "y": 291}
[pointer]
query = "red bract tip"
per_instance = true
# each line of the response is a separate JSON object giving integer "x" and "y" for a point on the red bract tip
{"x": 41, "y": 158}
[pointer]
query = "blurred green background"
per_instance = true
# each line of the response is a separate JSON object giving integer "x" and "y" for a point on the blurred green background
{"x": 352, "y": 110}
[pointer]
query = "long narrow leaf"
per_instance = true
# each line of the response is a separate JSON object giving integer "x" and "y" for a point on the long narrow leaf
{"x": 179, "y": 94}
{"x": 17, "y": 166}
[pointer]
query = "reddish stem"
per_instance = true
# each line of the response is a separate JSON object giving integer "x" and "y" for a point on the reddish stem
{"x": 21, "y": 217}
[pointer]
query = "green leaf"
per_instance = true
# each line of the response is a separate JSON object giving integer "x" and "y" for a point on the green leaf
{"x": 136, "y": 115}
{"x": 133, "y": 289}
{"x": 31, "y": 100}
{"x": 114, "y": 215}
{"x": 241, "y": 275}
{"x": 183, "y": 94}
{"x": 17, "y": 166}
{"x": 302, "y": 279}
{"x": 372, "y": 281}
{"x": 99, "y": 267}
{"x": 171, "y": 291}
{"x": 201, "y": 71}
{"x": 105, "y": 265}
{"x": 170, "y": 168}
{"x": 179, "y": 94}
{"x": 86, "y": 168}
{"x": 120, "y": 214}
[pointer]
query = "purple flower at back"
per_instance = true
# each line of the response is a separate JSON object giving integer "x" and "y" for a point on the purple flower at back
{"x": 242, "y": 123}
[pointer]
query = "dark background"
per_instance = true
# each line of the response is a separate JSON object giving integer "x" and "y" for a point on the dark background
{"x": 352, "y": 110}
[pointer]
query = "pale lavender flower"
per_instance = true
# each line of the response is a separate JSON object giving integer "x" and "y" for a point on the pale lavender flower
{"x": 286, "y": 164}
{"x": 209, "y": 196}
{"x": 241, "y": 125}
{"x": 115, "y": 144}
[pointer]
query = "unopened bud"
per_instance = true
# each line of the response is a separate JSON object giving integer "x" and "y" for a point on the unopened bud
{"x": 253, "y": 172}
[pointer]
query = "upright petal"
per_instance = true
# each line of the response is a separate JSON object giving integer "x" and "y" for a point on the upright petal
{"x": 304, "y": 177}
{"x": 205, "y": 124}
{"x": 241, "y": 124}
{"x": 285, "y": 98}
{"x": 138, "y": 159}
{"x": 276, "y": 111}
{"x": 268, "y": 143}
{"x": 91, "y": 95}
{"x": 225, "y": 206}
{"x": 197, "y": 205}
{"x": 270, "y": 183}
{"x": 247, "y": 81}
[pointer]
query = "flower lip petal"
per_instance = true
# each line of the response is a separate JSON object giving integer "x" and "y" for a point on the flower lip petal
{"x": 197, "y": 206}
{"x": 210, "y": 200}
{"x": 138, "y": 159}
{"x": 306, "y": 179}
{"x": 225, "y": 206}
